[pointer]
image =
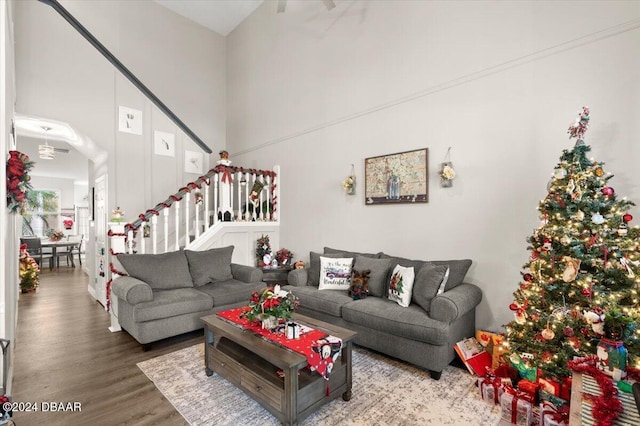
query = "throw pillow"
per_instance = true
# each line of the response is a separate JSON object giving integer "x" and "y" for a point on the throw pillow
{"x": 458, "y": 270}
{"x": 335, "y": 273}
{"x": 429, "y": 281}
{"x": 401, "y": 285}
{"x": 161, "y": 271}
{"x": 313, "y": 275}
{"x": 378, "y": 276}
{"x": 359, "y": 288}
{"x": 211, "y": 265}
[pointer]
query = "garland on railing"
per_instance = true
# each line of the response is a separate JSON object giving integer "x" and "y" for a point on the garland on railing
{"x": 197, "y": 184}
{"x": 606, "y": 407}
{"x": 112, "y": 268}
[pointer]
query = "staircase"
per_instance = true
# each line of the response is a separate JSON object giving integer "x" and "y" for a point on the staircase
{"x": 226, "y": 206}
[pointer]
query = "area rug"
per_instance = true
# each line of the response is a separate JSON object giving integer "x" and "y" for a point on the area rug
{"x": 385, "y": 392}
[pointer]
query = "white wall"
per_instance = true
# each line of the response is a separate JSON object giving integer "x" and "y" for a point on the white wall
{"x": 499, "y": 82}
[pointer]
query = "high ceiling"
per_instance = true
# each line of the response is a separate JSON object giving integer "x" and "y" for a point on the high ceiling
{"x": 221, "y": 16}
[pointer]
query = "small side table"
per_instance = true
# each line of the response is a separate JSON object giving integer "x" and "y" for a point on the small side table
{"x": 273, "y": 276}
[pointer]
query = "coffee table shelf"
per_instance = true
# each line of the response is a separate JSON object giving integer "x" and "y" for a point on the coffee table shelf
{"x": 252, "y": 364}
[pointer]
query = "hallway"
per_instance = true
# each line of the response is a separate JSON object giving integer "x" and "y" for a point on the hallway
{"x": 65, "y": 353}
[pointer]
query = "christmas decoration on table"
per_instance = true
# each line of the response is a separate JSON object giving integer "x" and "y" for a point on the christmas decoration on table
{"x": 581, "y": 282}
{"x": 29, "y": 271}
{"x": 67, "y": 223}
{"x": 359, "y": 288}
{"x": 271, "y": 306}
{"x": 55, "y": 235}
{"x": 447, "y": 173}
{"x": 284, "y": 257}
{"x": 517, "y": 407}
{"x": 263, "y": 251}
{"x": 18, "y": 181}
{"x": 349, "y": 184}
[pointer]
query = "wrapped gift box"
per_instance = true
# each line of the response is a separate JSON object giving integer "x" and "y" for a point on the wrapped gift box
{"x": 530, "y": 388}
{"x": 491, "y": 388}
{"x": 550, "y": 415}
{"x": 517, "y": 407}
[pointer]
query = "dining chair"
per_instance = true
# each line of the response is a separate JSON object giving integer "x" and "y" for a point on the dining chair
{"x": 76, "y": 249}
{"x": 34, "y": 248}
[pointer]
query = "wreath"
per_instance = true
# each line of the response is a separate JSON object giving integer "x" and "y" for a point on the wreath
{"x": 18, "y": 180}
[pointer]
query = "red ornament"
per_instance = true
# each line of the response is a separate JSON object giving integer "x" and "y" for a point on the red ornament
{"x": 568, "y": 331}
{"x": 586, "y": 292}
{"x": 514, "y": 306}
{"x": 528, "y": 277}
{"x": 627, "y": 218}
{"x": 607, "y": 191}
{"x": 546, "y": 356}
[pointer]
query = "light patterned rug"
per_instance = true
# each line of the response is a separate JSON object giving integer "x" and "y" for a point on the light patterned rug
{"x": 385, "y": 392}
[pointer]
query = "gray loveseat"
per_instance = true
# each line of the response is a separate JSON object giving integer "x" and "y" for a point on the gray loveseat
{"x": 441, "y": 312}
{"x": 166, "y": 294}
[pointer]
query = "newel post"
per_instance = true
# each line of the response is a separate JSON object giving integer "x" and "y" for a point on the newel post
{"x": 117, "y": 244}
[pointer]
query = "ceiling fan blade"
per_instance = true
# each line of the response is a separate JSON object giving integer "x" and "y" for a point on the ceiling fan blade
{"x": 282, "y": 5}
{"x": 63, "y": 150}
{"x": 329, "y": 4}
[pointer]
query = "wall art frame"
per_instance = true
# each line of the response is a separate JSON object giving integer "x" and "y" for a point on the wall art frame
{"x": 164, "y": 143}
{"x": 193, "y": 162}
{"x": 129, "y": 120}
{"x": 397, "y": 178}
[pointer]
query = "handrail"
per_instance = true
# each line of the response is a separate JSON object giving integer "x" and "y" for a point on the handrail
{"x": 125, "y": 71}
{"x": 144, "y": 217}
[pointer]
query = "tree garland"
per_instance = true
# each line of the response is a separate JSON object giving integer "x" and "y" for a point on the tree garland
{"x": 606, "y": 407}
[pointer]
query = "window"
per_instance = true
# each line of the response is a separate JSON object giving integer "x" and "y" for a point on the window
{"x": 42, "y": 213}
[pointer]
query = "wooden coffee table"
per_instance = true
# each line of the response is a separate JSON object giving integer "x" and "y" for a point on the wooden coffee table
{"x": 252, "y": 363}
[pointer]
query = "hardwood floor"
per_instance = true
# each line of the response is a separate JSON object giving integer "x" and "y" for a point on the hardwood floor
{"x": 65, "y": 353}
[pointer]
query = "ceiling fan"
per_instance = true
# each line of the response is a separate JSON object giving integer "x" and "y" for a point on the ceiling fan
{"x": 282, "y": 4}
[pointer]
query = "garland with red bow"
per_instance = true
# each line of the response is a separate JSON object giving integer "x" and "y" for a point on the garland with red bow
{"x": 18, "y": 180}
{"x": 606, "y": 407}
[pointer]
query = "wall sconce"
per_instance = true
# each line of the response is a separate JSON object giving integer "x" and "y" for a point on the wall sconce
{"x": 447, "y": 173}
{"x": 349, "y": 184}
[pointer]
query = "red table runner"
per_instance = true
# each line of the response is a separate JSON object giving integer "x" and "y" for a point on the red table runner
{"x": 320, "y": 348}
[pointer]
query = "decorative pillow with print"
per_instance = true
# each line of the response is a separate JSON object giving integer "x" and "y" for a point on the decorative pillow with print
{"x": 335, "y": 273}
{"x": 401, "y": 285}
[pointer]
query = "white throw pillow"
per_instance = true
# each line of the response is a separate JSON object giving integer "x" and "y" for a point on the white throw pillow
{"x": 401, "y": 285}
{"x": 335, "y": 273}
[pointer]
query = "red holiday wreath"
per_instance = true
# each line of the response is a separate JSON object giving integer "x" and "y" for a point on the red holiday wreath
{"x": 18, "y": 185}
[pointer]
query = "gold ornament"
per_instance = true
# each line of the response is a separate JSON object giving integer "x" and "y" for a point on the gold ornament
{"x": 548, "y": 334}
{"x": 571, "y": 269}
{"x": 598, "y": 171}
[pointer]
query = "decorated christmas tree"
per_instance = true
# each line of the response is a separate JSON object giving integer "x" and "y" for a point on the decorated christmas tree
{"x": 579, "y": 289}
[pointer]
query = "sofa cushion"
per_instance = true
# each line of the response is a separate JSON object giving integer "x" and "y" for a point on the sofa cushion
{"x": 230, "y": 291}
{"x": 354, "y": 254}
{"x": 386, "y": 316}
{"x": 313, "y": 275}
{"x": 171, "y": 303}
{"x": 377, "y": 276}
{"x": 208, "y": 266}
{"x": 457, "y": 268}
{"x": 326, "y": 301}
{"x": 401, "y": 285}
{"x": 161, "y": 271}
{"x": 335, "y": 273}
{"x": 427, "y": 284}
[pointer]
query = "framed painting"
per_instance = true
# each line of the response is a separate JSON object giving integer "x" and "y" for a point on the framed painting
{"x": 164, "y": 143}
{"x": 397, "y": 178}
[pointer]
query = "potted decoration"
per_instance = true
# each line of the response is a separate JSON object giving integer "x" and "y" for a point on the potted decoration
{"x": 284, "y": 257}
{"x": 271, "y": 306}
{"x": 55, "y": 235}
{"x": 29, "y": 271}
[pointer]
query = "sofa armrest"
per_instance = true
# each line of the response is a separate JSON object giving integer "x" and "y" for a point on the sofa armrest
{"x": 132, "y": 290}
{"x": 453, "y": 304}
{"x": 248, "y": 274}
{"x": 297, "y": 277}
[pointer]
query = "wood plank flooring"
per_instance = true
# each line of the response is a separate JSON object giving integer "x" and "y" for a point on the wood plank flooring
{"x": 65, "y": 353}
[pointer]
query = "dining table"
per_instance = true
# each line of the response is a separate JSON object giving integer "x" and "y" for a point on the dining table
{"x": 54, "y": 245}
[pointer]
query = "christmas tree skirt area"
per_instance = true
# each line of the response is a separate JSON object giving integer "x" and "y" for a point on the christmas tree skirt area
{"x": 385, "y": 392}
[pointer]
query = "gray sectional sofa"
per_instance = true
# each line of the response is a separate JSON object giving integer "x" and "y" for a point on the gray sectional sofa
{"x": 441, "y": 312}
{"x": 166, "y": 294}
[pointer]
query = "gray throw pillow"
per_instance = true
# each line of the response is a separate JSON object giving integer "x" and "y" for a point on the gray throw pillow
{"x": 161, "y": 271}
{"x": 346, "y": 253}
{"x": 313, "y": 275}
{"x": 457, "y": 271}
{"x": 427, "y": 284}
{"x": 208, "y": 266}
{"x": 377, "y": 277}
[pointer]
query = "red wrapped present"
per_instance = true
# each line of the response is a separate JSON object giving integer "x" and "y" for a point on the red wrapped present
{"x": 517, "y": 407}
{"x": 491, "y": 388}
{"x": 550, "y": 415}
{"x": 530, "y": 388}
{"x": 551, "y": 386}
{"x": 565, "y": 388}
